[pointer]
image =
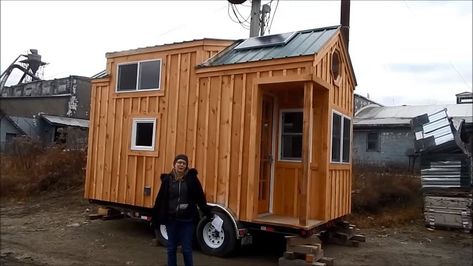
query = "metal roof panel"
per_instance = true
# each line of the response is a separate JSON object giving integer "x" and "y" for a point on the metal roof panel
{"x": 304, "y": 42}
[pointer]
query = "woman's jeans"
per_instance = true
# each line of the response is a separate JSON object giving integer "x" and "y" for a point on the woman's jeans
{"x": 180, "y": 232}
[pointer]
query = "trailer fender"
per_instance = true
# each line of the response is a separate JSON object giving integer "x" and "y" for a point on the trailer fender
{"x": 230, "y": 215}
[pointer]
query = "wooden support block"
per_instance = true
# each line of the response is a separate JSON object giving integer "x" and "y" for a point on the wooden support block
{"x": 342, "y": 236}
{"x": 305, "y": 249}
{"x": 103, "y": 211}
{"x": 95, "y": 216}
{"x": 359, "y": 238}
{"x": 297, "y": 240}
{"x": 328, "y": 261}
{"x": 309, "y": 258}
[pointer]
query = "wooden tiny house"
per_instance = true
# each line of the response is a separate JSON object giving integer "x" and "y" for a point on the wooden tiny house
{"x": 266, "y": 121}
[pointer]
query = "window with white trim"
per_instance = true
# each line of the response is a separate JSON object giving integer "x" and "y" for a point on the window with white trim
{"x": 143, "y": 75}
{"x": 291, "y": 135}
{"x": 143, "y": 134}
{"x": 341, "y": 136}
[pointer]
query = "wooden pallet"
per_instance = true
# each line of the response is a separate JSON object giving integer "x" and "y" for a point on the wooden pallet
{"x": 304, "y": 251}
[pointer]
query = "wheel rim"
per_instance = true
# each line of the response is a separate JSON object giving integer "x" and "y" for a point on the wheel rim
{"x": 213, "y": 238}
{"x": 163, "y": 231}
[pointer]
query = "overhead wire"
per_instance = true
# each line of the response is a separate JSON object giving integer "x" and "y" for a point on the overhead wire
{"x": 237, "y": 17}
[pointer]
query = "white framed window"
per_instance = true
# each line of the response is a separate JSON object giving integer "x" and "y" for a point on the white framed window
{"x": 139, "y": 76}
{"x": 341, "y": 137}
{"x": 143, "y": 134}
{"x": 290, "y": 143}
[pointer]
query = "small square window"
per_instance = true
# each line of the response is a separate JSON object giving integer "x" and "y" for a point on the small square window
{"x": 143, "y": 134}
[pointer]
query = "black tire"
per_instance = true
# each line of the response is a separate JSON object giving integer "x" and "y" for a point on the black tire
{"x": 161, "y": 235}
{"x": 211, "y": 242}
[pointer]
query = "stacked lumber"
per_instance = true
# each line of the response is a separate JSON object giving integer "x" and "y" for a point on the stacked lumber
{"x": 303, "y": 252}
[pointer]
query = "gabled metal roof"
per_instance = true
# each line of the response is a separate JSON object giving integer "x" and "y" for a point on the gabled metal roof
{"x": 101, "y": 74}
{"x": 402, "y": 115}
{"x": 306, "y": 42}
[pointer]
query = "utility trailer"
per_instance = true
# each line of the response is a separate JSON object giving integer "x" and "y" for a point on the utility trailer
{"x": 266, "y": 121}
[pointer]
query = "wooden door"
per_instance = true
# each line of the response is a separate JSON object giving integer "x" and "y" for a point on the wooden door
{"x": 266, "y": 154}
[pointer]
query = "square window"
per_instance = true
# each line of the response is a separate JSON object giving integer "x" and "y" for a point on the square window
{"x": 143, "y": 134}
{"x": 291, "y": 135}
{"x": 145, "y": 75}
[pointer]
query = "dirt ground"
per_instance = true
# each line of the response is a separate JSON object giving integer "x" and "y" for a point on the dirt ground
{"x": 54, "y": 230}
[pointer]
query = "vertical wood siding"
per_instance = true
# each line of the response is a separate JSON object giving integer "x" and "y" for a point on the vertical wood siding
{"x": 117, "y": 174}
{"x": 209, "y": 116}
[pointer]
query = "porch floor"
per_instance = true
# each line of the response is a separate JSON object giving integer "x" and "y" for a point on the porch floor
{"x": 279, "y": 220}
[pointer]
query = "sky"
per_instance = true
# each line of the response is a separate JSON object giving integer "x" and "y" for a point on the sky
{"x": 403, "y": 52}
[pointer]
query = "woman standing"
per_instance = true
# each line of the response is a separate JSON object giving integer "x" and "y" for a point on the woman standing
{"x": 176, "y": 207}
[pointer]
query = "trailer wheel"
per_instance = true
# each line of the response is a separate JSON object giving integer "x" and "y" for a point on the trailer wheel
{"x": 215, "y": 242}
{"x": 161, "y": 234}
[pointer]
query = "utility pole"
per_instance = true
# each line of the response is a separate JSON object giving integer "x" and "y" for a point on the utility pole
{"x": 345, "y": 20}
{"x": 255, "y": 18}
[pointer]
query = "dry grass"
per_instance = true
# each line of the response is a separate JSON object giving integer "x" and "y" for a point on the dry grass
{"x": 385, "y": 197}
{"x": 31, "y": 169}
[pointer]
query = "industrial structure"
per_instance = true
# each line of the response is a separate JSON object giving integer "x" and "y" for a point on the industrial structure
{"x": 52, "y": 111}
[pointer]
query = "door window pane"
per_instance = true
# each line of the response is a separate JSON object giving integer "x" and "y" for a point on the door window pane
{"x": 291, "y": 135}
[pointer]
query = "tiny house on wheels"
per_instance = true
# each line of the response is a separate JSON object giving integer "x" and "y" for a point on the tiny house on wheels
{"x": 267, "y": 122}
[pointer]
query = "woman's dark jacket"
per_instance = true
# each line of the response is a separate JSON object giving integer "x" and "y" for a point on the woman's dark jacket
{"x": 195, "y": 196}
